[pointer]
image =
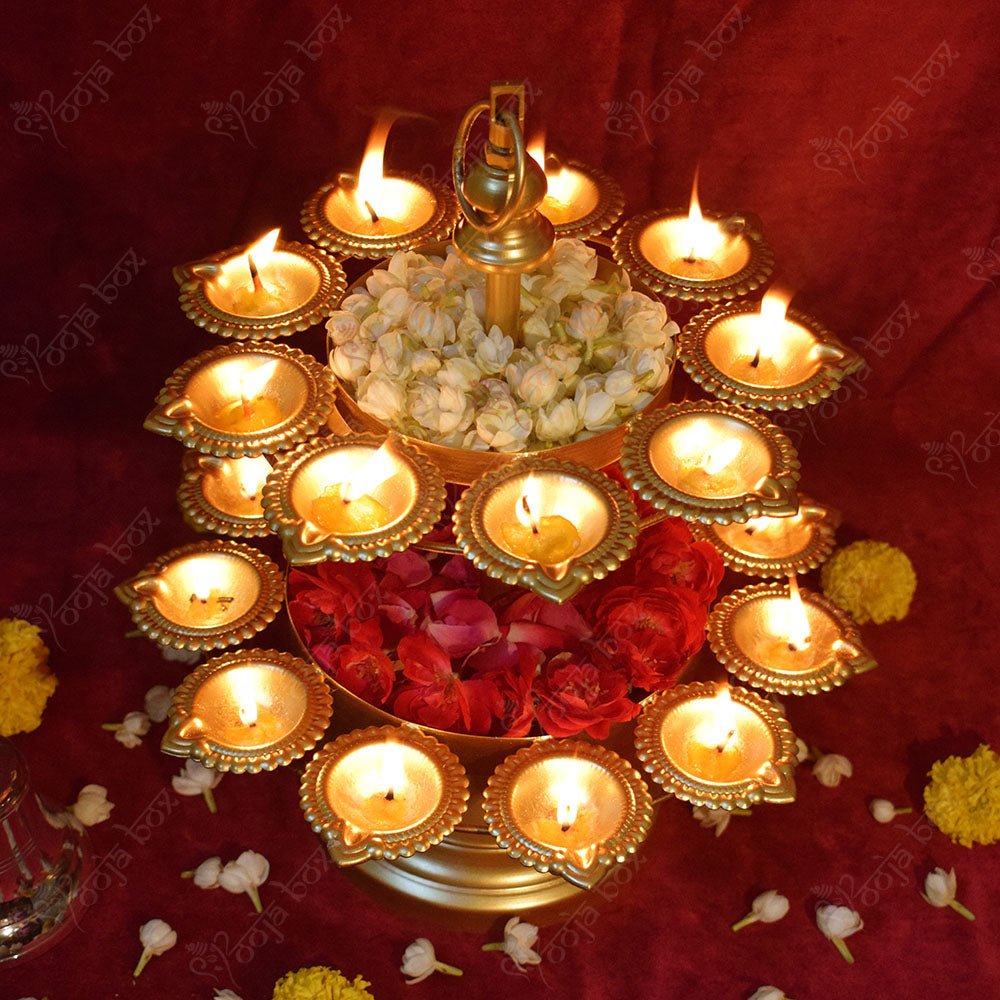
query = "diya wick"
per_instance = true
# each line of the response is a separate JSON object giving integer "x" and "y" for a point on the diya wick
{"x": 547, "y": 525}
{"x": 717, "y": 746}
{"x": 581, "y": 200}
{"x": 568, "y": 807}
{"x": 207, "y": 595}
{"x": 251, "y": 710}
{"x": 224, "y": 494}
{"x": 374, "y": 213}
{"x": 775, "y": 546}
{"x": 700, "y": 256}
{"x": 383, "y": 792}
{"x": 244, "y": 399}
{"x": 353, "y": 497}
{"x": 709, "y": 461}
{"x": 270, "y": 289}
{"x": 783, "y": 639}
{"x": 767, "y": 357}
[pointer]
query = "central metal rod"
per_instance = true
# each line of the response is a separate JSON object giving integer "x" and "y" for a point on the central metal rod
{"x": 503, "y": 302}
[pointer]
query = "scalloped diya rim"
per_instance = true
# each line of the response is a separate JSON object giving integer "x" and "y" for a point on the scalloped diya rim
{"x": 173, "y": 415}
{"x": 780, "y": 499}
{"x": 822, "y": 384}
{"x": 322, "y": 232}
{"x": 295, "y": 744}
{"x": 631, "y": 832}
{"x": 323, "y": 820}
{"x": 201, "y": 514}
{"x": 305, "y": 544}
{"x": 754, "y": 274}
{"x": 828, "y": 675}
{"x": 194, "y": 278}
{"x": 156, "y": 626}
{"x": 463, "y": 467}
{"x": 595, "y": 564}
{"x": 821, "y": 544}
{"x": 735, "y": 796}
{"x": 607, "y": 211}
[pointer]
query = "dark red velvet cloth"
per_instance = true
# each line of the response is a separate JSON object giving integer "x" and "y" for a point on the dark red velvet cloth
{"x": 869, "y": 219}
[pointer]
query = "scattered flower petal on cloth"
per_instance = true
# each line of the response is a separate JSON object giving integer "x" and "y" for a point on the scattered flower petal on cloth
{"x": 157, "y": 702}
{"x": 837, "y": 923}
{"x": 767, "y": 907}
{"x": 519, "y": 940}
{"x": 92, "y": 805}
{"x": 156, "y": 937}
{"x": 884, "y": 811}
{"x": 419, "y": 961}
{"x": 939, "y": 890}
{"x": 712, "y": 818}
{"x": 130, "y": 730}
{"x": 830, "y": 768}
{"x": 195, "y": 779}
{"x": 246, "y": 874}
{"x": 768, "y": 993}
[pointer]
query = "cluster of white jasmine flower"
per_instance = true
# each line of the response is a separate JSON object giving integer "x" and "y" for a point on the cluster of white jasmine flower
{"x": 416, "y": 351}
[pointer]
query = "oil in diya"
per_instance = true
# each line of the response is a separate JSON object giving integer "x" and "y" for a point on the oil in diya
{"x": 248, "y": 286}
{"x": 550, "y": 539}
{"x": 348, "y": 508}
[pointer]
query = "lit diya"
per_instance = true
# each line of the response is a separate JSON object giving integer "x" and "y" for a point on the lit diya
{"x": 775, "y": 546}
{"x": 252, "y": 710}
{"x": 270, "y": 289}
{"x": 708, "y": 461}
{"x": 374, "y": 213}
{"x": 207, "y": 595}
{"x": 581, "y": 200}
{"x": 702, "y": 256}
{"x": 242, "y": 400}
{"x": 568, "y": 807}
{"x": 350, "y": 498}
{"x": 721, "y": 747}
{"x": 383, "y": 792}
{"x": 547, "y": 525}
{"x": 224, "y": 494}
{"x": 781, "y": 639}
{"x": 765, "y": 357}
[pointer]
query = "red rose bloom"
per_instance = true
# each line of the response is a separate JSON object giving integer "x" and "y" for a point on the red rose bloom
{"x": 330, "y": 598}
{"x": 577, "y": 694}
{"x": 652, "y": 631}
{"x": 361, "y": 666}
{"x": 437, "y": 697}
{"x": 667, "y": 555}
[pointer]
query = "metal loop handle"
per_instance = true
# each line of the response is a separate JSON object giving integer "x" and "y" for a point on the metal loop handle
{"x": 515, "y": 182}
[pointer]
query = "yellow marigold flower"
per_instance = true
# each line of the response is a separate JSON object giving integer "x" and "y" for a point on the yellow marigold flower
{"x": 320, "y": 983}
{"x": 25, "y": 681}
{"x": 962, "y": 798}
{"x": 874, "y": 581}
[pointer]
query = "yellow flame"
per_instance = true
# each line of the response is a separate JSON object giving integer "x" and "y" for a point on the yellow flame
{"x": 536, "y": 149}
{"x": 370, "y": 177}
{"x": 245, "y": 692}
{"x": 252, "y": 384}
{"x": 773, "y": 307}
{"x": 262, "y": 250}
{"x": 701, "y": 239}
{"x": 201, "y": 590}
{"x": 720, "y": 456}
{"x": 720, "y": 726}
{"x": 392, "y": 776}
{"x": 370, "y": 474}
{"x": 251, "y": 473}
{"x": 568, "y": 795}
{"x": 798, "y": 621}
{"x": 528, "y": 507}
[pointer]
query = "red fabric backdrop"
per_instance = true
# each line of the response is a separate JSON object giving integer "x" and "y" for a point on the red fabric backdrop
{"x": 876, "y": 211}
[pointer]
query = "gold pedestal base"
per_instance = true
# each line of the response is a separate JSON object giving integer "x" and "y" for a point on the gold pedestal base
{"x": 468, "y": 872}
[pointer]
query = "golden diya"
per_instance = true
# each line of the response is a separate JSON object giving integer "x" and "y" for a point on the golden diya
{"x": 701, "y": 256}
{"x": 571, "y": 808}
{"x": 717, "y": 746}
{"x": 207, "y": 595}
{"x": 353, "y": 497}
{"x": 775, "y": 546}
{"x": 581, "y": 200}
{"x": 224, "y": 494}
{"x": 270, "y": 289}
{"x": 244, "y": 399}
{"x": 383, "y": 793}
{"x": 709, "y": 461}
{"x": 251, "y": 710}
{"x": 374, "y": 213}
{"x": 783, "y": 639}
{"x": 546, "y": 525}
{"x": 768, "y": 357}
